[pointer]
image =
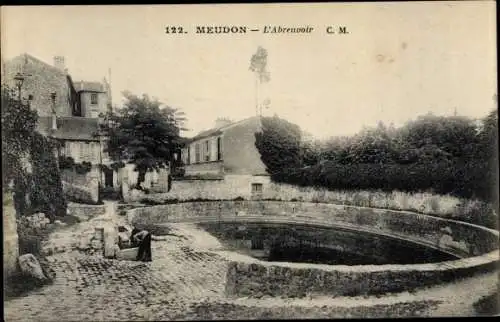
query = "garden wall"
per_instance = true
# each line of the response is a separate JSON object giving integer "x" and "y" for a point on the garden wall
{"x": 239, "y": 187}
{"x": 10, "y": 237}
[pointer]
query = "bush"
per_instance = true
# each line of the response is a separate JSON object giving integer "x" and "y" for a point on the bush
{"x": 66, "y": 162}
{"x": 442, "y": 178}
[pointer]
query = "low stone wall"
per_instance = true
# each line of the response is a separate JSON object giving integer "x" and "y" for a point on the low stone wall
{"x": 239, "y": 186}
{"x": 86, "y": 212}
{"x": 284, "y": 279}
{"x": 10, "y": 237}
{"x": 476, "y": 245}
{"x": 88, "y": 194}
{"x": 452, "y": 236}
{"x": 231, "y": 187}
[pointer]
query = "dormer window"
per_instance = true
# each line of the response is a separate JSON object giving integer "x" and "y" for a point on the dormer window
{"x": 93, "y": 98}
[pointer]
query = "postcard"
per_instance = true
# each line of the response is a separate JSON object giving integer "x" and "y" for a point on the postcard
{"x": 250, "y": 161}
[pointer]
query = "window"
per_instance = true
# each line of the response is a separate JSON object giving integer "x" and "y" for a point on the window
{"x": 30, "y": 97}
{"x": 93, "y": 98}
{"x": 219, "y": 148}
{"x": 197, "y": 153}
{"x": 207, "y": 150}
{"x": 256, "y": 187}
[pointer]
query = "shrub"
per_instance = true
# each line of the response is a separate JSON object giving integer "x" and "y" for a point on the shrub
{"x": 66, "y": 162}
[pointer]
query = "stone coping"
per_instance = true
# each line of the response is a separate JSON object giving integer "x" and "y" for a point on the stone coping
{"x": 161, "y": 215}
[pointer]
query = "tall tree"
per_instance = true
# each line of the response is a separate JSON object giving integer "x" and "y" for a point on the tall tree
{"x": 258, "y": 65}
{"x": 144, "y": 132}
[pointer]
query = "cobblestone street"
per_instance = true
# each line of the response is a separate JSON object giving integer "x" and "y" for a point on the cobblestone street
{"x": 186, "y": 280}
{"x": 93, "y": 288}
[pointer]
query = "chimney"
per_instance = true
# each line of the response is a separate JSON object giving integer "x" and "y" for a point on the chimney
{"x": 59, "y": 63}
{"x": 221, "y": 122}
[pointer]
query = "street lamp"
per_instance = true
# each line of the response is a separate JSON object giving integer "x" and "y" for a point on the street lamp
{"x": 19, "y": 79}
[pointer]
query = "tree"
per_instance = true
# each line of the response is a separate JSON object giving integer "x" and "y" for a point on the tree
{"x": 144, "y": 132}
{"x": 279, "y": 144}
{"x": 258, "y": 65}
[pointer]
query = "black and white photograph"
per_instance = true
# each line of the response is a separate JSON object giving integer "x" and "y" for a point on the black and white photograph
{"x": 256, "y": 161}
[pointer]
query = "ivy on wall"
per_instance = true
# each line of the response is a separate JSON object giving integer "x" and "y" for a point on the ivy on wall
{"x": 70, "y": 164}
{"x": 29, "y": 169}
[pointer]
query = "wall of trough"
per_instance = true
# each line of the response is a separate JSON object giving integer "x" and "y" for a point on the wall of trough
{"x": 460, "y": 238}
{"x": 477, "y": 246}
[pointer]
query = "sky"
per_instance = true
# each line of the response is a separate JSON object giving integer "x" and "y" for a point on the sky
{"x": 398, "y": 61}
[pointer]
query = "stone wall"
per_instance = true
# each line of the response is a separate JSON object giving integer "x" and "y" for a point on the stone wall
{"x": 10, "y": 237}
{"x": 234, "y": 186}
{"x": 460, "y": 238}
{"x": 231, "y": 187}
{"x": 79, "y": 179}
{"x": 239, "y": 152}
{"x": 85, "y": 194}
{"x": 86, "y": 212}
{"x": 247, "y": 276}
{"x": 214, "y": 167}
{"x": 44, "y": 79}
{"x": 285, "y": 280}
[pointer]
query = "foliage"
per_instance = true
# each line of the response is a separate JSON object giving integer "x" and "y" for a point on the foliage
{"x": 83, "y": 168}
{"x": 144, "y": 132}
{"x": 27, "y": 161}
{"x": 258, "y": 65}
{"x": 117, "y": 165}
{"x": 46, "y": 186}
{"x": 66, "y": 162}
{"x": 445, "y": 155}
{"x": 279, "y": 144}
{"x": 18, "y": 124}
{"x": 70, "y": 164}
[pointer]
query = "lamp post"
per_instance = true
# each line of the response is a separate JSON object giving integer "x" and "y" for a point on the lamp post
{"x": 19, "y": 79}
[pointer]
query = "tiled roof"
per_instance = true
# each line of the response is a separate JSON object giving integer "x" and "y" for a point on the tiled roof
{"x": 27, "y": 57}
{"x": 219, "y": 130}
{"x": 82, "y": 86}
{"x": 70, "y": 128}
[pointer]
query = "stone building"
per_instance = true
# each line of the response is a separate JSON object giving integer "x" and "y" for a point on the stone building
{"x": 68, "y": 110}
{"x": 228, "y": 153}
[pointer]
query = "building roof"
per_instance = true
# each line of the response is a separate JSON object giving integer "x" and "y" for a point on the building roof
{"x": 82, "y": 86}
{"x": 73, "y": 128}
{"x": 219, "y": 130}
{"x": 26, "y": 57}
